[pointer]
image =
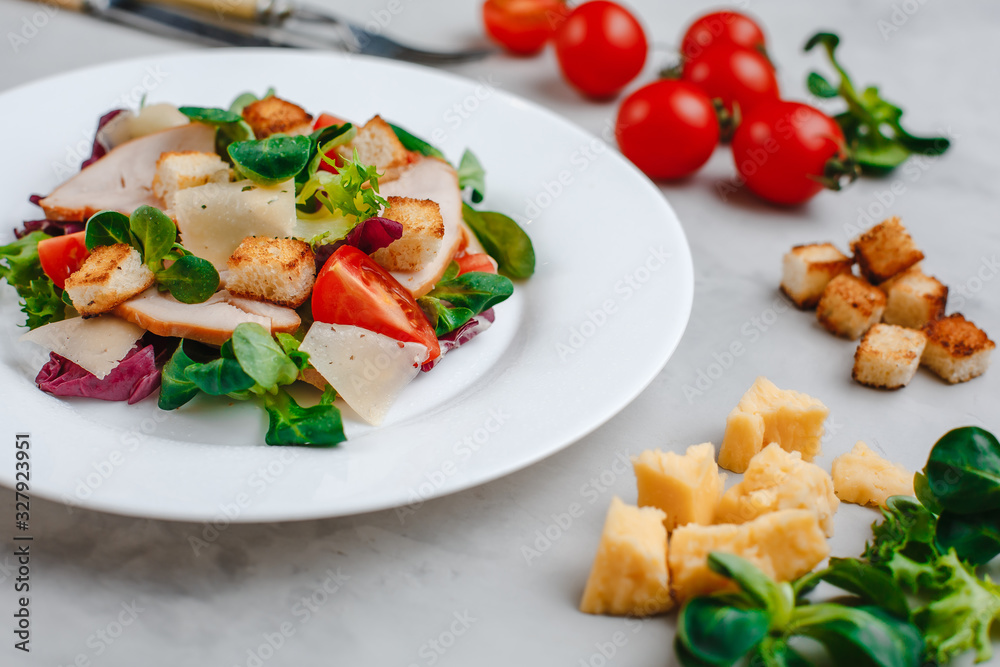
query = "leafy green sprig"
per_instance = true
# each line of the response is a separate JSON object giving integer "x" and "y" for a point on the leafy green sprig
{"x": 456, "y": 299}
{"x": 41, "y": 300}
{"x": 189, "y": 279}
{"x": 254, "y": 365}
{"x": 870, "y": 628}
{"x": 871, "y": 124}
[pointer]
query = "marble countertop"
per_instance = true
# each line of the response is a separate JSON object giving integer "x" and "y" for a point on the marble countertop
{"x": 492, "y": 575}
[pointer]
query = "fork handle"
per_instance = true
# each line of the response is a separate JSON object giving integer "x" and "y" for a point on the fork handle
{"x": 247, "y": 10}
{"x": 72, "y": 5}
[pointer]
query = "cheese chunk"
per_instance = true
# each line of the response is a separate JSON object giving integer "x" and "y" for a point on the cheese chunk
{"x": 95, "y": 344}
{"x": 213, "y": 219}
{"x": 780, "y": 480}
{"x": 784, "y": 544}
{"x": 767, "y": 414}
{"x": 685, "y": 488}
{"x": 863, "y": 477}
{"x": 629, "y": 575}
{"x": 367, "y": 369}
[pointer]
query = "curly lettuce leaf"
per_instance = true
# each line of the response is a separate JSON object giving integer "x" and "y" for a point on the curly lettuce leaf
{"x": 343, "y": 194}
{"x": 41, "y": 300}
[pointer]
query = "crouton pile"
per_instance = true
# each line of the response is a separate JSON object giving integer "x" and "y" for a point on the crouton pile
{"x": 896, "y": 310}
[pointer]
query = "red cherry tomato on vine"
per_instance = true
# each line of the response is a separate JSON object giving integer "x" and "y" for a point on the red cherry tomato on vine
{"x": 352, "y": 289}
{"x": 668, "y": 129}
{"x": 523, "y": 26}
{"x": 600, "y": 47}
{"x": 786, "y": 152}
{"x": 733, "y": 73}
{"x": 721, "y": 28}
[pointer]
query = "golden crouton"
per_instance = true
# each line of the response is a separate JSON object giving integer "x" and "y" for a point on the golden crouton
{"x": 423, "y": 229}
{"x": 273, "y": 115}
{"x": 913, "y": 298}
{"x": 186, "y": 169}
{"x": 279, "y": 271}
{"x": 849, "y": 306}
{"x": 888, "y": 356}
{"x": 109, "y": 276}
{"x": 885, "y": 250}
{"x": 377, "y": 144}
{"x": 808, "y": 268}
{"x": 957, "y": 349}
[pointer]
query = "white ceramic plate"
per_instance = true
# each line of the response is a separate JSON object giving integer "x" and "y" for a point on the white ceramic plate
{"x": 578, "y": 341}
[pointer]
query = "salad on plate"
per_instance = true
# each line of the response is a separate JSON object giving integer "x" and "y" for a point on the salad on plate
{"x": 235, "y": 252}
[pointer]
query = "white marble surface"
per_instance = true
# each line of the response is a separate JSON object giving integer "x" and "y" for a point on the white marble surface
{"x": 451, "y": 584}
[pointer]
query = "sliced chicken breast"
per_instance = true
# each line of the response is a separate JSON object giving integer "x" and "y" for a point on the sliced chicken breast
{"x": 122, "y": 180}
{"x": 430, "y": 178}
{"x": 211, "y": 322}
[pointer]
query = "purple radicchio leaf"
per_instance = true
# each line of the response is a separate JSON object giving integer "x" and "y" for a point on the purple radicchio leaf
{"x": 99, "y": 150}
{"x": 133, "y": 379}
{"x": 462, "y": 335}
{"x": 50, "y": 227}
{"x": 368, "y": 236}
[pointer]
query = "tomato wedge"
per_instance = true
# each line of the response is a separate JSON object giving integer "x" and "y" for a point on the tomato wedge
{"x": 476, "y": 262}
{"x": 352, "y": 289}
{"x": 61, "y": 256}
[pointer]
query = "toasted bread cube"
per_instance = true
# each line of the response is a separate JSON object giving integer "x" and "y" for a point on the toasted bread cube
{"x": 377, "y": 144}
{"x": 785, "y": 544}
{"x": 957, "y": 349}
{"x": 913, "y": 299}
{"x": 186, "y": 169}
{"x": 273, "y": 115}
{"x": 779, "y": 480}
{"x": 888, "y": 356}
{"x": 685, "y": 488}
{"x": 863, "y": 477}
{"x": 279, "y": 271}
{"x": 807, "y": 269}
{"x": 885, "y": 250}
{"x": 767, "y": 414}
{"x": 423, "y": 230}
{"x": 629, "y": 575}
{"x": 110, "y": 275}
{"x": 849, "y": 306}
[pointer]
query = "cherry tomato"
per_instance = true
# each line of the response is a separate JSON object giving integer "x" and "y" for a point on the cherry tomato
{"x": 668, "y": 129}
{"x": 721, "y": 28}
{"x": 326, "y": 120}
{"x": 479, "y": 262}
{"x": 523, "y": 26}
{"x": 787, "y": 152}
{"x": 61, "y": 256}
{"x": 352, "y": 289}
{"x": 733, "y": 73}
{"x": 600, "y": 47}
